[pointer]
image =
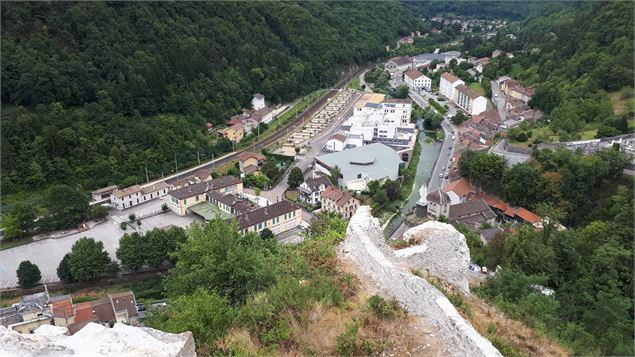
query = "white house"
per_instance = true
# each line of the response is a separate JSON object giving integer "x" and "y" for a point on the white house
{"x": 448, "y": 84}
{"x": 135, "y": 195}
{"x": 417, "y": 80}
{"x": 336, "y": 142}
{"x": 469, "y": 100}
{"x": 311, "y": 189}
{"x": 258, "y": 102}
{"x": 398, "y": 64}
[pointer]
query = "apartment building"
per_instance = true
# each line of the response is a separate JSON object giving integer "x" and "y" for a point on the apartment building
{"x": 448, "y": 84}
{"x": 469, "y": 100}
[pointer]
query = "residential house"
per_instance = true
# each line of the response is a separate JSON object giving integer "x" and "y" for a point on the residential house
{"x": 233, "y": 133}
{"x": 310, "y": 190}
{"x": 438, "y": 203}
{"x": 335, "y": 200}
{"x": 135, "y": 195}
{"x": 27, "y": 315}
{"x": 228, "y": 203}
{"x": 250, "y": 162}
{"x": 459, "y": 191}
{"x": 469, "y": 100}
{"x": 278, "y": 217}
{"x": 447, "y": 85}
{"x": 480, "y": 64}
{"x": 472, "y": 213}
{"x": 125, "y": 307}
{"x": 398, "y": 64}
{"x": 185, "y": 197}
{"x": 358, "y": 166}
{"x": 417, "y": 80}
{"x": 258, "y": 101}
{"x": 126, "y": 198}
{"x": 337, "y": 142}
{"x": 62, "y": 310}
{"x": 103, "y": 193}
{"x": 509, "y": 213}
{"x": 202, "y": 175}
{"x": 516, "y": 90}
{"x": 496, "y": 53}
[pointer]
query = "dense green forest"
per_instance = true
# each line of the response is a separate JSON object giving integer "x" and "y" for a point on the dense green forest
{"x": 484, "y": 9}
{"x": 588, "y": 265}
{"x": 94, "y": 92}
{"x": 576, "y": 58}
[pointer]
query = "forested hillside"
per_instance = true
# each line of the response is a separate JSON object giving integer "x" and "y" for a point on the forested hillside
{"x": 106, "y": 89}
{"x": 576, "y": 58}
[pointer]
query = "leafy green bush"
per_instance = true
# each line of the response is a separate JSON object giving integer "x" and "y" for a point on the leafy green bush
{"x": 385, "y": 309}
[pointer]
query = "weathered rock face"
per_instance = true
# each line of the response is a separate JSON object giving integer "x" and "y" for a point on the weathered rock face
{"x": 365, "y": 248}
{"x": 440, "y": 250}
{"x": 96, "y": 340}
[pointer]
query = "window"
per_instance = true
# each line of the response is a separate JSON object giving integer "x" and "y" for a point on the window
{"x": 197, "y": 198}
{"x": 185, "y": 201}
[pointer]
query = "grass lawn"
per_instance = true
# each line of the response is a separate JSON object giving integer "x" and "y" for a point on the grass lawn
{"x": 355, "y": 84}
{"x": 478, "y": 88}
{"x": 631, "y": 123}
{"x": 620, "y": 104}
{"x": 291, "y": 195}
{"x": 8, "y": 244}
{"x": 516, "y": 68}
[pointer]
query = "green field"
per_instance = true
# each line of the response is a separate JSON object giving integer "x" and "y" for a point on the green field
{"x": 478, "y": 88}
{"x": 355, "y": 84}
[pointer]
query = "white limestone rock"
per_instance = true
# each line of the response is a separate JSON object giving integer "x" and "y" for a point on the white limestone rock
{"x": 375, "y": 262}
{"x": 440, "y": 250}
{"x": 97, "y": 340}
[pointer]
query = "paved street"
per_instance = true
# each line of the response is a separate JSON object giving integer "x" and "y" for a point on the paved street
{"x": 448, "y": 146}
{"x": 499, "y": 100}
{"x": 48, "y": 253}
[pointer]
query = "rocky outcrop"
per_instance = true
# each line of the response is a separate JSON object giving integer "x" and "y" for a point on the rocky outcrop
{"x": 440, "y": 250}
{"x": 96, "y": 340}
{"x": 374, "y": 261}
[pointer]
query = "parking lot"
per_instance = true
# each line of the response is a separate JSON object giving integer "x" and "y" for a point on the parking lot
{"x": 48, "y": 253}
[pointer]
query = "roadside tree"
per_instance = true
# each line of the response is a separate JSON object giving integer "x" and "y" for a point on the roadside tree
{"x": 88, "y": 259}
{"x": 28, "y": 274}
{"x": 295, "y": 177}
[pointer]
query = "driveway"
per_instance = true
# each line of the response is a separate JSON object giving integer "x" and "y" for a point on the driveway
{"x": 48, "y": 253}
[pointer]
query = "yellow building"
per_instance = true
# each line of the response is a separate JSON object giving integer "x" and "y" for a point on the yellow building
{"x": 185, "y": 197}
{"x": 234, "y": 133}
{"x": 278, "y": 217}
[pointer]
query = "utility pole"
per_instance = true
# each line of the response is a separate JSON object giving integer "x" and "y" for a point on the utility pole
{"x": 212, "y": 161}
{"x": 176, "y": 164}
{"x": 198, "y": 156}
{"x": 147, "y": 179}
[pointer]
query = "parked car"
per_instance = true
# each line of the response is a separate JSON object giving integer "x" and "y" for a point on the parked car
{"x": 441, "y": 175}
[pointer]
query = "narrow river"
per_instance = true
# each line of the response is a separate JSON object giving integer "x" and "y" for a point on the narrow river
{"x": 427, "y": 158}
